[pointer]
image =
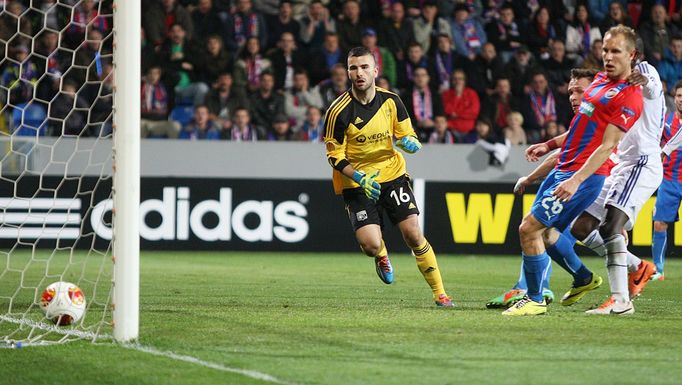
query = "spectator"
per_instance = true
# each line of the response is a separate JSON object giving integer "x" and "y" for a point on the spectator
{"x": 541, "y": 31}
{"x": 155, "y": 20}
{"x": 280, "y": 130}
{"x": 656, "y": 33}
{"x": 383, "y": 58}
{"x": 558, "y": 67}
{"x": 335, "y": 86}
{"x": 350, "y": 26}
{"x": 599, "y": 9}
{"x": 493, "y": 143}
{"x": 428, "y": 26}
{"x": 396, "y": 31}
{"x": 505, "y": 33}
{"x": 383, "y": 82}
{"x": 201, "y": 127}
{"x": 281, "y": 23}
{"x": 312, "y": 129}
{"x": 214, "y": 61}
{"x": 149, "y": 55}
{"x": 415, "y": 59}
{"x": 315, "y": 25}
{"x": 266, "y": 104}
{"x": 242, "y": 130}
{"x": 206, "y": 21}
{"x": 85, "y": 18}
{"x": 155, "y": 107}
{"x": 615, "y": 16}
{"x": 53, "y": 15}
{"x": 180, "y": 59}
{"x": 550, "y": 130}
{"x": 222, "y": 101}
{"x": 324, "y": 59}
{"x": 671, "y": 67}
{"x": 514, "y": 130}
{"x": 581, "y": 35}
{"x": 484, "y": 70}
{"x": 423, "y": 103}
{"x": 520, "y": 69}
{"x": 441, "y": 134}
{"x": 250, "y": 66}
{"x": 467, "y": 33}
{"x": 525, "y": 9}
{"x": 243, "y": 25}
{"x": 299, "y": 98}
{"x": 67, "y": 113}
{"x": 445, "y": 60}
{"x": 51, "y": 60}
{"x": 86, "y": 66}
{"x": 461, "y": 106}
{"x": 102, "y": 95}
{"x": 286, "y": 59}
{"x": 500, "y": 104}
{"x": 539, "y": 107}
{"x": 594, "y": 59}
{"x": 18, "y": 79}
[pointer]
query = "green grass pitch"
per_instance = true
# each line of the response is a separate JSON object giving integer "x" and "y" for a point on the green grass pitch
{"x": 327, "y": 319}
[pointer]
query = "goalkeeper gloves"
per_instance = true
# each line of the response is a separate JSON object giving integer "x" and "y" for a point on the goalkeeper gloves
{"x": 371, "y": 187}
{"x": 409, "y": 144}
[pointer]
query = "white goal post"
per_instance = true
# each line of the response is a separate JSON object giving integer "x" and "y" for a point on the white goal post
{"x": 126, "y": 184}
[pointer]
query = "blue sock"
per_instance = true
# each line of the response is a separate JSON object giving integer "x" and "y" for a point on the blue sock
{"x": 658, "y": 249}
{"x": 545, "y": 281}
{"x": 521, "y": 283}
{"x": 563, "y": 253}
{"x": 536, "y": 269}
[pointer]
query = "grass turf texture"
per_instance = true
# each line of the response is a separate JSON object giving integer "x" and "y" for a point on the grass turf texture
{"x": 327, "y": 319}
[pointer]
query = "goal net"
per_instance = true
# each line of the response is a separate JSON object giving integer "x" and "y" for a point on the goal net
{"x": 58, "y": 140}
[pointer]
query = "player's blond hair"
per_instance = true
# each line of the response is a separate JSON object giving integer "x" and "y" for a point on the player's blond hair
{"x": 628, "y": 33}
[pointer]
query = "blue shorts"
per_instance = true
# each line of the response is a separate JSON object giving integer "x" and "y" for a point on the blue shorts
{"x": 553, "y": 213}
{"x": 668, "y": 201}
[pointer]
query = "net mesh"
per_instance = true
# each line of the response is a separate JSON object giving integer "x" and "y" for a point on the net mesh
{"x": 55, "y": 177}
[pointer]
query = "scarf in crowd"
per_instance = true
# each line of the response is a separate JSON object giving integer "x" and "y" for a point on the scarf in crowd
{"x": 545, "y": 111}
{"x": 421, "y": 104}
{"x": 254, "y": 67}
{"x": 154, "y": 98}
{"x": 584, "y": 29}
{"x": 240, "y": 135}
{"x": 506, "y": 31}
{"x": 242, "y": 30}
{"x": 81, "y": 21}
{"x": 444, "y": 68}
{"x": 473, "y": 41}
{"x": 409, "y": 67}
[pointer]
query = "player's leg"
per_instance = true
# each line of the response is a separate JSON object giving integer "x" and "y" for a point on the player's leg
{"x": 366, "y": 220}
{"x": 425, "y": 258}
{"x": 665, "y": 211}
{"x": 398, "y": 200}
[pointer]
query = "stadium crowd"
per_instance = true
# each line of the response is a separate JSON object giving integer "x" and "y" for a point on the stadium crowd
{"x": 248, "y": 70}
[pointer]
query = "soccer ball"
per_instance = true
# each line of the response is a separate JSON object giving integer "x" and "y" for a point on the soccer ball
{"x": 63, "y": 303}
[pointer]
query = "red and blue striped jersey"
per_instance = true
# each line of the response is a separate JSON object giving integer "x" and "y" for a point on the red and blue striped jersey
{"x": 605, "y": 101}
{"x": 671, "y": 165}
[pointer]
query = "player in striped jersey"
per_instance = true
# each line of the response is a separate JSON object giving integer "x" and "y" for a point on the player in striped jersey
{"x": 670, "y": 191}
{"x": 611, "y": 107}
{"x": 370, "y": 174}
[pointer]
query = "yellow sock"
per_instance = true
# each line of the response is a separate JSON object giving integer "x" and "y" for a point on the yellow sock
{"x": 428, "y": 266}
{"x": 382, "y": 252}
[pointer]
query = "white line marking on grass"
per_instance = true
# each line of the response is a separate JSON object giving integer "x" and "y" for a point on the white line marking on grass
{"x": 193, "y": 360}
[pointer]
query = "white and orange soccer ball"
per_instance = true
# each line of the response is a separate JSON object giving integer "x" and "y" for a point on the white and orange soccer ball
{"x": 63, "y": 303}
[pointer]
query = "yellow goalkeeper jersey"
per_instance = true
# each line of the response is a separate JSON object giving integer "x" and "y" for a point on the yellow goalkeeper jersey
{"x": 362, "y": 135}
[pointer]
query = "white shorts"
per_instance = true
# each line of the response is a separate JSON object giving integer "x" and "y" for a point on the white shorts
{"x": 631, "y": 183}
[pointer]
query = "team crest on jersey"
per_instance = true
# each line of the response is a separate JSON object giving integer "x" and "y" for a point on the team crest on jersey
{"x": 611, "y": 93}
{"x": 586, "y": 108}
{"x": 361, "y": 215}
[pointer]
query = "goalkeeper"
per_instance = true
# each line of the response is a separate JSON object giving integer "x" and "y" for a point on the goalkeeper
{"x": 360, "y": 126}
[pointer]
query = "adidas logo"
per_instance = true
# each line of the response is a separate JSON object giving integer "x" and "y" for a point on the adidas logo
{"x": 430, "y": 269}
{"x": 411, "y": 206}
{"x": 358, "y": 120}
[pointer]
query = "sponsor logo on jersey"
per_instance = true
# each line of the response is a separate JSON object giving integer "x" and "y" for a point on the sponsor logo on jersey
{"x": 611, "y": 93}
{"x": 586, "y": 108}
{"x": 361, "y": 215}
{"x": 361, "y": 139}
{"x": 358, "y": 120}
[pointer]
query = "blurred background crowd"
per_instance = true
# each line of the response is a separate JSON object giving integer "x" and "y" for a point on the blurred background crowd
{"x": 250, "y": 70}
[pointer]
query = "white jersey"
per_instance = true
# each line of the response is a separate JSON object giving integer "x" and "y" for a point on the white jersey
{"x": 644, "y": 138}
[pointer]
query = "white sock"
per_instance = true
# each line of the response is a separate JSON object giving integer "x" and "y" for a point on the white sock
{"x": 595, "y": 243}
{"x": 616, "y": 264}
{"x": 633, "y": 262}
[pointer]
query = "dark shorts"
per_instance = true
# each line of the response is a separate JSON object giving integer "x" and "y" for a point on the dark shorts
{"x": 396, "y": 199}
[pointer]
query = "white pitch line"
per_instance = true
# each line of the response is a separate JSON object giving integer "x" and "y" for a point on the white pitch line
{"x": 147, "y": 349}
{"x": 193, "y": 360}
